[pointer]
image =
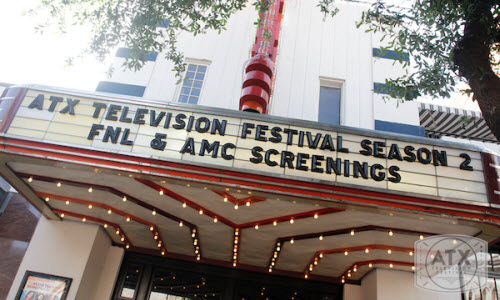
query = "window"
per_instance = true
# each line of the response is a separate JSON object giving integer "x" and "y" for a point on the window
{"x": 192, "y": 83}
{"x": 329, "y": 101}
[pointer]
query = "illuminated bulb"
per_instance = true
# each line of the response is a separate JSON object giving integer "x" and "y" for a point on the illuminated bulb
{"x": 59, "y": 184}
{"x": 413, "y": 268}
{"x": 321, "y": 255}
{"x": 159, "y": 244}
{"x": 270, "y": 270}
{"x": 236, "y": 206}
{"x": 163, "y": 253}
{"x": 316, "y": 216}
{"x": 128, "y": 246}
{"x": 47, "y": 199}
{"x": 272, "y": 264}
{"x": 161, "y": 192}
{"x": 367, "y": 250}
{"x": 256, "y": 227}
{"x": 201, "y": 211}
{"x": 30, "y": 179}
{"x": 391, "y": 233}
{"x": 84, "y": 219}
{"x": 188, "y": 185}
{"x": 128, "y": 219}
{"x": 90, "y": 189}
{"x": 225, "y": 199}
{"x": 90, "y": 206}
{"x": 370, "y": 265}
{"x": 390, "y": 266}
{"x": 355, "y": 269}
{"x": 292, "y": 241}
{"x": 215, "y": 220}
{"x": 122, "y": 239}
{"x": 454, "y": 242}
{"x": 198, "y": 257}
{"x": 234, "y": 264}
{"x": 343, "y": 280}
{"x": 105, "y": 225}
{"x": 184, "y": 205}
{"x": 389, "y": 251}
{"x": 348, "y": 274}
{"x": 275, "y": 223}
{"x": 411, "y": 253}
{"x": 315, "y": 262}
{"x": 117, "y": 231}
{"x": 292, "y": 221}
{"x": 193, "y": 235}
{"x": 180, "y": 224}
{"x": 310, "y": 268}
{"x": 153, "y": 212}
{"x": 151, "y": 228}
{"x": 278, "y": 249}
{"x": 421, "y": 237}
{"x": 109, "y": 211}
{"x": 248, "y": 203}
{"x": 352, "y": 232}
{"x": 346, "y": 253}
{"x": 124, "y": 198}
{"x": 306, "y": 276}
{"x": 196, "y": 251}
{"x": 67, "y": 202}
{"x": 321, "y": 237}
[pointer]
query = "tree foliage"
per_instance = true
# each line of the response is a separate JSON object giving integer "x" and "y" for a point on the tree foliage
{"x": 448, "y": 41}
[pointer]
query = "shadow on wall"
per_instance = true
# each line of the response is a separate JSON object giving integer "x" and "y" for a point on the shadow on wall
{"x": 18, "y": 220}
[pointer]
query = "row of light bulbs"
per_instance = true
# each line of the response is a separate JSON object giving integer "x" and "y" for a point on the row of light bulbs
{"x": 320, "y": 255}
{"x": 128, "y": 219}
{"x": 370, "y": 265}
{"x": 236, "y": 240}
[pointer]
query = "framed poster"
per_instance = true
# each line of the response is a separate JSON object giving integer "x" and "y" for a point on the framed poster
{"x": 39, "y": 286}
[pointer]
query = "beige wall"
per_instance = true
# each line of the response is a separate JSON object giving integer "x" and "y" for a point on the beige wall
{"x": 382, "y": 284}
{"x": 76, "y": 250}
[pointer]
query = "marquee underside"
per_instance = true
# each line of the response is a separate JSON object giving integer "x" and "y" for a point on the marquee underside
{"x": 321, "y": 232}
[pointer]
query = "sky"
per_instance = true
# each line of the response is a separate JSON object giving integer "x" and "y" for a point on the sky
{"x": 28, "y": 57}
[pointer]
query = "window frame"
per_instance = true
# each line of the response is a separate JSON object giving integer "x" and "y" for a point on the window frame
{"x": 336, "y": 84}
{"x": 198, "y": 62}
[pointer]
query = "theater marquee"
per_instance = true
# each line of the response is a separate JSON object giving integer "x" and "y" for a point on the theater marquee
{"x": 288, "y": 148}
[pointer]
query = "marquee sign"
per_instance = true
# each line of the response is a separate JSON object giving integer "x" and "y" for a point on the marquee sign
{"x": 287, "y": 148}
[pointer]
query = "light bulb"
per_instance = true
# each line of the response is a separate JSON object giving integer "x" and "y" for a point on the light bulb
{"x": 256, "y": 226}
{"x": 124, "y": 198}
{"x": 90, "y": 190}
{"x": 316, "y": 216}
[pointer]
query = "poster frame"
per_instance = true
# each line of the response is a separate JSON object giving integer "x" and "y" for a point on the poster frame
{"x": 67, "y": 281}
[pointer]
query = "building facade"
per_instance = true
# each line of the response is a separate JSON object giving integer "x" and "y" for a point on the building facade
{"x": 151, "y": 189}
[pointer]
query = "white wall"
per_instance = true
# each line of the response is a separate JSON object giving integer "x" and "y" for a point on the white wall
{"x": 383, "y": 284}
{"x": 76, "y": 250}
{"x": 310, "y": 48}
